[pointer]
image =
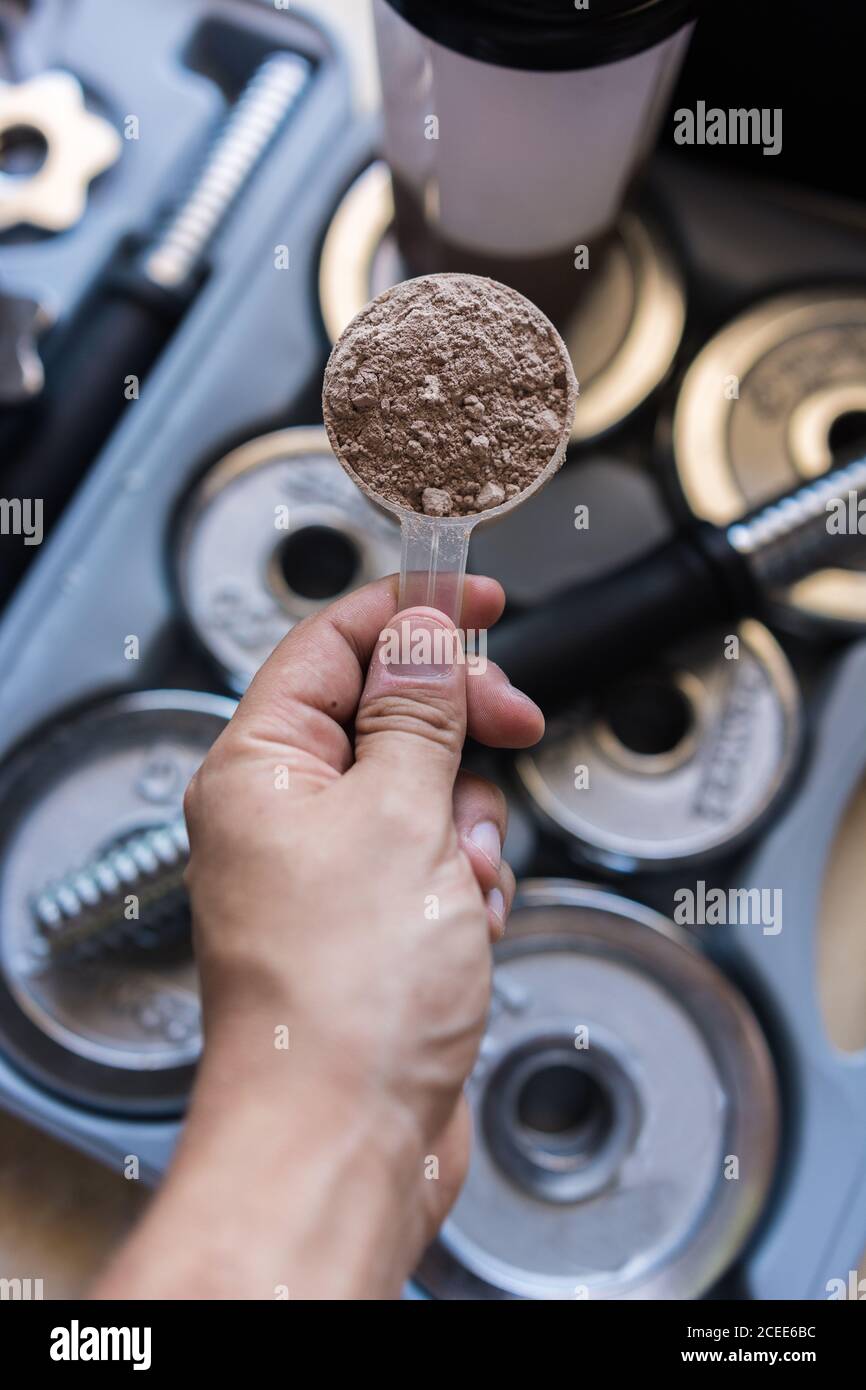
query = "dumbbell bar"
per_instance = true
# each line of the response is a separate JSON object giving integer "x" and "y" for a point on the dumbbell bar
{"x": 595, "y": 632}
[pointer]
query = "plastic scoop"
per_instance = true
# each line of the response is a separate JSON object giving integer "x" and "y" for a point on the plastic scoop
{"x": 435, "y": 548}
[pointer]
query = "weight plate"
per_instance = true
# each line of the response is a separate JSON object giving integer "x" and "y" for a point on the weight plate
{"x": 625, "y": 1113}
{"x": 676, "y": 765}
{"x": 623, "y": 336}
{"x": 274, "y": 532}
{"x": 761, "y": 408}
{"x": 121, "y": 1028}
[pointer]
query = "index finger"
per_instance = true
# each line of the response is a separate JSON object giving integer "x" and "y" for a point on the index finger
{"x": 309, "y": 687}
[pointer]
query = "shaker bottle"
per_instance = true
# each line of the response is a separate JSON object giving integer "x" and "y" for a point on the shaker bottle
{"x": 514, "y": 128}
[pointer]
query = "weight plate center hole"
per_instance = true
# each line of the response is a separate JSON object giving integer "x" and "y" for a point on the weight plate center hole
{"x": 559, "y": 1121}
{"x": 23, "y": 151}
{"x": 650, "y": 716}
{"x": 318, "y": 562}
{"x": 848, "y": 433}
{"x": 561, "y": 1107}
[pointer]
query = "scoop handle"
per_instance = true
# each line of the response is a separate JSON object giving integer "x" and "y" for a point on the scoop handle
{"x": 433, "y": 562}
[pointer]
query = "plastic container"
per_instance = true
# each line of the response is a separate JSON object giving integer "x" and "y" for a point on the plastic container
{"x": 514, "y": 129}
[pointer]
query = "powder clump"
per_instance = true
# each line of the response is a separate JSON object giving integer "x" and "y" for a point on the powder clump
{"x": 449, "y": 395}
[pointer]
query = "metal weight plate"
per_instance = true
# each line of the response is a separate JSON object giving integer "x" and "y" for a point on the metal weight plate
{"x": 673, "y": 766}
{"x": 762, "y": 407}
{"x": 119, "y": 1028}
{"x": 623, "y": 338}
{"x": 274, "y": 532}
{"x": 625, "y": 1113}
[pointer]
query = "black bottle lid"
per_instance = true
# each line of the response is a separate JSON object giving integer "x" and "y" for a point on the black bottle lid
{"x": 548, "y": 35}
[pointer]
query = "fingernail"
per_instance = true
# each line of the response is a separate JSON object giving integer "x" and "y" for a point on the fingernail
{"x": 496, "y": 903}
{"x": 485, "y": 836}
{"x": 418, "y": 648}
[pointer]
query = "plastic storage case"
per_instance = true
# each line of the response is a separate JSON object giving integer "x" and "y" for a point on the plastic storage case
{"x": 248, "y": 357}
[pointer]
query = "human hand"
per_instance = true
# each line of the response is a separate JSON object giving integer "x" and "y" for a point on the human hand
{"x": 345, "y": 880}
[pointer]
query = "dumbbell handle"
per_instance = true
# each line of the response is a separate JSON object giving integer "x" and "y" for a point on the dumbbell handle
{"x": 594, "y": 632}
{"x": 125, "y": 323}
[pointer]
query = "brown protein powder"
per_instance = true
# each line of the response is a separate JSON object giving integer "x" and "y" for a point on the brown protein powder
{"x": 449, "y": 395}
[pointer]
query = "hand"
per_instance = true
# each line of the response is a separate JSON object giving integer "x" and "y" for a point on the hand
{"x": 345, "y": 881}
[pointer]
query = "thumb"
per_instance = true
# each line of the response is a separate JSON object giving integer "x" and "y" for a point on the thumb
{"x": 412, "y": 714}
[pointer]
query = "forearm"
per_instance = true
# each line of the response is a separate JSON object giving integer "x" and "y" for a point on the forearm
{"x": 274, "y": 1192}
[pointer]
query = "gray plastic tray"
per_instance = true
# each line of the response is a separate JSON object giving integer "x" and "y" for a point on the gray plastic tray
{"x": 247, "y": 358}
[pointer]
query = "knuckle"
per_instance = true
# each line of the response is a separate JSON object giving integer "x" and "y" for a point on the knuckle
{"x": 205, "y": 791}
{"x": 191, "y": 799}
{"x": 189, "y": 875}
{"x": 307, "y": 767}
{"x": 427, "y": 717}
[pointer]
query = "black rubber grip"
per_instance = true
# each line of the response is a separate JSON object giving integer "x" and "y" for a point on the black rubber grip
{"x": 46, "y": 456}
{"x": 592, "y": 633}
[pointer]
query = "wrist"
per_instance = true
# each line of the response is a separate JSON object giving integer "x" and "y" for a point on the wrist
{"x": 271, "y": 1084}
{"x": 326, "y": 1188}
{"x": 280, "y": 1190}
